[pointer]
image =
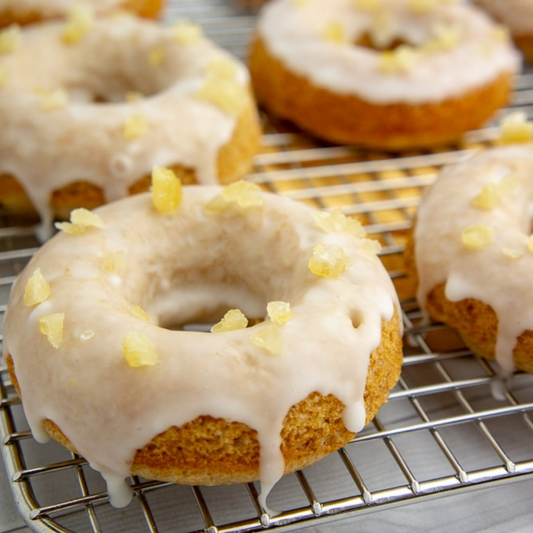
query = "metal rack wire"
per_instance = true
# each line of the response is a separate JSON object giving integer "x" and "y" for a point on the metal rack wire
{"x": 443, "y": 429}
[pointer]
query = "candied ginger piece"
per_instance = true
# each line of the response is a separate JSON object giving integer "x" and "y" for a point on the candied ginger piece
{"x": 55, "y": 99}
{"x": 220, "y": 67}
{"x": 228, "y": 95}
{"x": 446, "y": 37}
{"x": 515, "y": 128}
{"x": 80, "y": 19}
{"x": 186, "y": 32}
{"x": 138, "y": 312}
{"x": 300, "y": 3}
{"x": 244, "y": 194}
{"x": 401, "y": 60}
{"x": 37, "y": 289}
{"x": 166, "y": 190}
{"x": 4, "y": 75}
{"x": 487, "y": 198}
{"x": 156, "y": 57}
{"x": 10, "y": 39}
{"x": 114, "y": 262}
{"x": 328, "y": 261}
{"x": 52, "y": 327}
{"x": 501, "y": 33}
{"x": 530, "y": 243}
{"x": 234, "y": 319}
{"x": 513, "y": 253}
{"x": 422, "y": 6}
{"x": 81, "y": 221}
{"x": 334, "y": 33}
{"x": 337, "y": 222}
{"x": 279, "y": 312}
{"x": 135, "y": 126}
{"x": 139, "y": 350}
{"x": 372, "y": 246}
{"x": 368, "y": 5}
{"x": 269, "y": 339}
{"x": 477, "y": 236}
{"x": 133, "y": 96}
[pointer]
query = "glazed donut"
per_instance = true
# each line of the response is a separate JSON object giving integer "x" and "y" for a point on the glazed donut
{"x": 471, "y": 253}
{"x": 391, "y": 74}
{"x": 517, "y": 15}
{"x": 87, "y": 125}
{"x": 91, "y": 336}
{"x": 24, "y": 12}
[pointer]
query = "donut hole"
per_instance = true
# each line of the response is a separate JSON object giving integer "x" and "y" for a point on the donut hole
{"x": 367, "y": 41}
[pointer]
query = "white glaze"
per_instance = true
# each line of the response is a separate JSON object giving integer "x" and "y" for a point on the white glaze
{"x": 292, "y": 32}
{"x": 84, "y": 141}
{"x": 487, "y": 275}
{"x": 57, "y": 8}
{"x": 516, "y": 14}
{"x": 180, "y": 268}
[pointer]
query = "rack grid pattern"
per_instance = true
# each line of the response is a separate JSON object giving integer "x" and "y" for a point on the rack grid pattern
{"x": 444, "y": 429}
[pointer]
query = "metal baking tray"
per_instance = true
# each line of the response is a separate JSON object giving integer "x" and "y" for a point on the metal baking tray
{"x": 442, "y": 431}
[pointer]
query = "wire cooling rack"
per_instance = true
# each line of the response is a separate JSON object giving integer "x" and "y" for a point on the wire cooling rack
{"x": 443, "y": 429}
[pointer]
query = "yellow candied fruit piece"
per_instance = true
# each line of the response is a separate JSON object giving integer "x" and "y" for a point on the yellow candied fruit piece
{"x": 37, "y": 289}
{"x": 334, "y": 33}
{"x": 399, "y": 61}
{"x": 79, "y": 22}
{"x": 114, "y": 262}
{"x": 372, "y": 246}
{"x": 52, "y": 327}
{"x": 139, "y": 350}
{"x": 328, "y": 261}
{"x": 244, "y": 194}
{"x": 530, "y": 243}
{"x": 337, "y": 222}
{"x": 445, "y": 38}
{"x": 167, "y": 191}
{"x": 368, "y": 5}
{"x": 4, "y": 75}
{"x": 138, "y": 312}
{"x": 81, "y": 221}
{"x": 221, "y": 68}
{"x": 477, "y": 236}
{"x": 55, "y": 99}
{"x": 513, "y": 253}
{"x": 156, "y": 57}
{"x": 133, "y": 96}
{"x": 422, "y": 6}
{"x": 487, "y": 198}
{"x": 10, "y": 39}
{"x": 279, "y": 312}
{"x": 228, "y": 95}
{"x": 515, "y": 128}
{"x": 135, "y": 126}
{"x": 269, "y": 339}
{"x": 500, "y": 33}
{"x": 234, "y": 319}
{"x": 186, "y": 32}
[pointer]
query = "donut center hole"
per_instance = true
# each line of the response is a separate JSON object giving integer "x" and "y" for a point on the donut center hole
{"x": 366, "y": 40}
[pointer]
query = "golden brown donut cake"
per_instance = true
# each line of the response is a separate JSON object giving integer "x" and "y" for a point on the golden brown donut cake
{"x": 386, "y": 73}
{"x": 115, "y": 97}
{"x": 24, "y": 12}
{"x": 101, "y": 308}
{"x": 517, "y": 15}
{"x": 471, "y": 253}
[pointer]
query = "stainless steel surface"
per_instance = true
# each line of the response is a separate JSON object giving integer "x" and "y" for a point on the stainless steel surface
{"x": 442, "y": 432}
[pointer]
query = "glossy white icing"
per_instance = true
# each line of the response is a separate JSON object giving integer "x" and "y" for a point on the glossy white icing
{"x": 293, "y": 33}
{"x": 516, "y": 14}
{"x": 185, "y": 267}
{"x": 84, "y": 140}
{"x": 491, "y": 275}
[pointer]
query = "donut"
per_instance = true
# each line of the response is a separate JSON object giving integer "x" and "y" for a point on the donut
{"x": 96, "y": 335}
{"x": 112, "y": 99}
{"x": 24, "y": 12}
{"x": 392, "y": 74}
{"x": 471, "y": 254}
{"x": 517, "y": 15}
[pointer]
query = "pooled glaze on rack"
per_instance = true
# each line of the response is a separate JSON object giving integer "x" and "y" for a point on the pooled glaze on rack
{"x": 294, "y": 32}
{"x": 47, "y": 144}
{"x": 497, "y": 274}
{"x": 183, "y": 267}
